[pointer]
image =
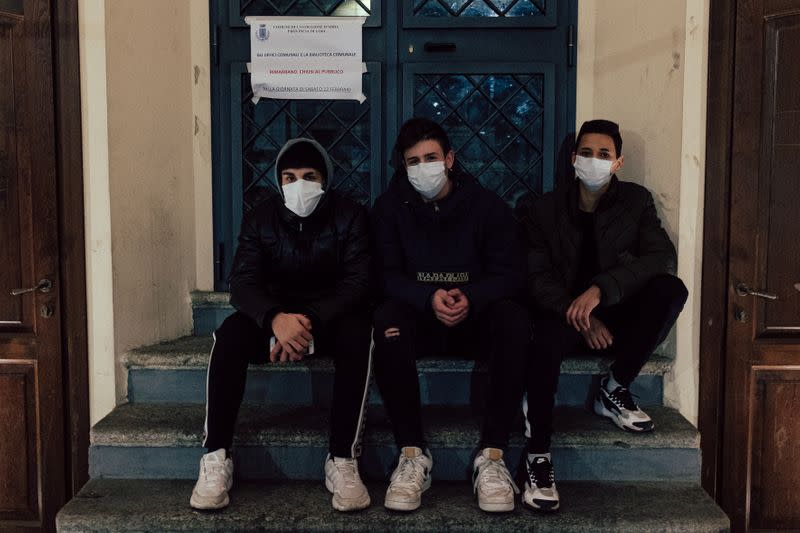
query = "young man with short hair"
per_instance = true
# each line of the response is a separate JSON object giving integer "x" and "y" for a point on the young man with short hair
{"x": 449, "y": 266}
{"x": 299, "y": 284}
{"x": 599, "y": 276}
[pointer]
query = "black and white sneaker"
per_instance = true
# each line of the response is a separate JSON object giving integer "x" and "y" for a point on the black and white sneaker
{"x": 540, "y": 486}
{"x": 621, "y": 408}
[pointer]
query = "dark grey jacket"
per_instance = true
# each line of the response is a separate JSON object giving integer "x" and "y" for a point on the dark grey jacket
{"x": 632, "y": 246}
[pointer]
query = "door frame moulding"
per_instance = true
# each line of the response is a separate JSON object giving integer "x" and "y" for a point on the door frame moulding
{"x": 716, "y": 228}
{"x": 72, "y": 255}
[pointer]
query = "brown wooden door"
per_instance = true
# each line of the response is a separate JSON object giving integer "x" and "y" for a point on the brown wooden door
{"x": 32, "y": 448}
{"x": 760, "y": 468}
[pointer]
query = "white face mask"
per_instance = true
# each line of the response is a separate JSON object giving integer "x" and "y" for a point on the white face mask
{"x": 302, "y": 197}
{"x": 594, "y": 173}
{"x": 427, "y": 178}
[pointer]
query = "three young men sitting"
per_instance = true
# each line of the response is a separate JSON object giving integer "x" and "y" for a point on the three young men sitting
{"x": 449, "y": 263}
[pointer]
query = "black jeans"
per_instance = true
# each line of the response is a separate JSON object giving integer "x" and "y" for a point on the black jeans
{"x": 239, "y": 342}
{"x": 501, "y": 332}
{"x": 638, "y": 324}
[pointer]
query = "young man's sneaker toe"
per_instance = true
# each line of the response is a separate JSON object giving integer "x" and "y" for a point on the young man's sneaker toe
{"x": 620, "y": 406}
{"x": 409, "y": 480}
{"x": 344, "y": 482}
{"x": 492, "y": 483}
{"x": 214, "y": 482}
{"x": 541, "y": 493}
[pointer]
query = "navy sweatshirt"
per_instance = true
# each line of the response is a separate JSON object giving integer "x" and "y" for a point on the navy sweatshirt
{"x": 468, "y": 240}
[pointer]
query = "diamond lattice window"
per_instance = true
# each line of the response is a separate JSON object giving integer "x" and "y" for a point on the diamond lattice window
{"x": 341, "y": 126}
{"x": 479, "y": 8}
{"x": 319, "y": 8}
{"x": 496, "y": 125}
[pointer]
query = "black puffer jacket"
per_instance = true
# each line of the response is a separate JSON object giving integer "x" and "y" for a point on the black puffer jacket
{"x": 318, "y": 265}
{"x": 468, "y": 240}
{"x": 632, "y": 246}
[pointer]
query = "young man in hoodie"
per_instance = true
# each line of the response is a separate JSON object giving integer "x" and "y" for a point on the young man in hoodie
{"x": 599, "y": 267}
{"x": 299, "y": 284}
{"x": 449, "y": 266}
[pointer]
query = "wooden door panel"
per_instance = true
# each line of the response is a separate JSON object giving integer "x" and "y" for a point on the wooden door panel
{"x": 32, "y": 455}
{"x": 760, "y": 456}
{"x": 10, "y": 307}
{"x": 18, "y": 460}
{"x": 780, "y": 162}
{"x": 774, "y": 454}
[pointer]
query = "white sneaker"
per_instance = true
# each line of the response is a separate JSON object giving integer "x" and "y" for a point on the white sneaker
{"x": 541, "y": 493}
{"x": 214, "y": 481}
{"x": 619, "y": 406}
{"x": 342, "y": 480}
{"x": 492, "y": 482}
{"x": 409, "y": 480}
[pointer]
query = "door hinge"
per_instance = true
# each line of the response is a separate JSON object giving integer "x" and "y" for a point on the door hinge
{"x": 572, "y": 49}
{"x": 215, "y": 45}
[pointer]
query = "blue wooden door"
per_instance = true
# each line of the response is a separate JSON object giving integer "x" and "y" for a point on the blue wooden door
{"x": 498, "y": 74}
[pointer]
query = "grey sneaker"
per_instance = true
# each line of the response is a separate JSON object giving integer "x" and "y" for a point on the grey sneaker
{"x": 409, "y": 480}
{"x": 214, "y": 482}
{"x": 343, "y": 481}
{"x": 540, "y": 487}
{"x": 492, "y": 482}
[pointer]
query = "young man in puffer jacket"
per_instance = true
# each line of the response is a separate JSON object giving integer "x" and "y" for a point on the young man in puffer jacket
{"x": 299, "y": 283}
{"x": 450, "y": 267}
{"x": 599, "y": 278}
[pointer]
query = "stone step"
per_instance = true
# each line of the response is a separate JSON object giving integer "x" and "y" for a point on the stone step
{"x": 175, "y": 372}
{"x": 291, "y": 442}
{"x": 587, "y": 507}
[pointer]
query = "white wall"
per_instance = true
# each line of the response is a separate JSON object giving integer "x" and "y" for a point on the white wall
{"x": 97, "y": 205}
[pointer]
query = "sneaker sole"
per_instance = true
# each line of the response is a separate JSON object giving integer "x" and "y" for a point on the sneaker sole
{"x": 395, "y": 505}
{"x": 343, "y": 505}
{"x": 601, "y": 410}
{"x": 496, "y": 507}
{"x": 209, "y": 506}
{"x": 543, "y": 508}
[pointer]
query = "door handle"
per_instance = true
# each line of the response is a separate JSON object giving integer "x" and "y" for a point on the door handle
{"x": 44, "y": 285}
{"x": 744, "y": 290}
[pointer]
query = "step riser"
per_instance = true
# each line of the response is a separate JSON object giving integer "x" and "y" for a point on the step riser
{"x": 208, "y": 319}
{"x": 147, "y": 385}
{"x": 450, "y": 464}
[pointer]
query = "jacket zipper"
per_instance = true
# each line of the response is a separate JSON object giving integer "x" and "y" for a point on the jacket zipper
{"x": 436, "y": 206}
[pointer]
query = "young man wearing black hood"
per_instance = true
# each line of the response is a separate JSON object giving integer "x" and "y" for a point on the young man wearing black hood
{"x": 299, "y": 284}
{"x": 449, "y": 266}
{"x": 599, "y": 267}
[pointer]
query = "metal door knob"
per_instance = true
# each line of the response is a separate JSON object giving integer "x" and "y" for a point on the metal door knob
{"x": 744, "y": 290}
{"x": 44, "y": 285}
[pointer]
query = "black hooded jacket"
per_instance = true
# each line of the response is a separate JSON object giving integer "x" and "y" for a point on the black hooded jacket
{"x": 318, "y": 265}
{"x": 632, "y": 247}
{"x": 467, "y": 240}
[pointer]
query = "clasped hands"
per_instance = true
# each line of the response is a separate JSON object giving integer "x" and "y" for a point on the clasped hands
{"x": 579, "y": 316}
{"x": 450, "y": 307}
{"x": 292, "y": 335}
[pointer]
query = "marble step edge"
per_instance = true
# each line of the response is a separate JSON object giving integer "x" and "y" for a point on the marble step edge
{"x": 587, "y": 506}
{"x": 192, "y": 352}
{"x": 181, "y": 425}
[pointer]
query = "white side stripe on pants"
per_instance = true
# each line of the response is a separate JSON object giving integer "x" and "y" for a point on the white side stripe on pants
{"x": 354, "y": 448}
{"x": 208, "y": 373}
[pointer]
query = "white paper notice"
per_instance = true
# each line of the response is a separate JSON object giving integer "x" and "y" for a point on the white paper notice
{"x": 306, "y": 58}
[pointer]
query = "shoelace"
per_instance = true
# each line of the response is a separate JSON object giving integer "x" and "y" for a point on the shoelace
{"x": 540, "y": 474}
{"x": 411, "y": 472}
{"x": 213, "y": 471}
{"x": 348, "y": 469}
{"x": 623, "y": 398}
{"x": 494, "y": 475}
